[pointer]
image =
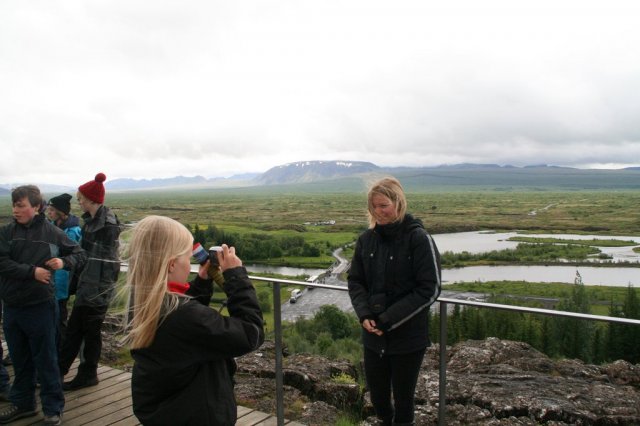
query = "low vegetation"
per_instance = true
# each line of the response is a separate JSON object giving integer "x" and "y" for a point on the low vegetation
{"x": 336, "y": 334}
{"x": 595, "y": 242}
{"x": 524, "y": 253}
{"x": 279, "y": 227}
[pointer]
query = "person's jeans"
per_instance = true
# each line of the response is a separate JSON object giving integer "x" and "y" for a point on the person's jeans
{"x": 4, "y": 374}
{"x": 85, "y": 324}
{"x": 63, "y": 316}
{"x": 30, "y": 332}
{"x": 399, "y": 373}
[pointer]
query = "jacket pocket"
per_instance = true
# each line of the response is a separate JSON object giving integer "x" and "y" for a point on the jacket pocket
{"x": 378, "y": 303}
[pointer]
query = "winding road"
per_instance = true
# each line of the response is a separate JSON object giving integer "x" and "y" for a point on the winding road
{"x": 310, "y": 301}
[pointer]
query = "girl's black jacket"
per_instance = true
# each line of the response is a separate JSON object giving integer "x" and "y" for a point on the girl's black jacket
{"x": 185, "y": 377}
{"x": 100, "y": 239}
{"x": 394, "y": 278}
{"x": 22, "y": 248}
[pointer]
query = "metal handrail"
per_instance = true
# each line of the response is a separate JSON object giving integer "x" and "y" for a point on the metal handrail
{"x": 443, "y": 301}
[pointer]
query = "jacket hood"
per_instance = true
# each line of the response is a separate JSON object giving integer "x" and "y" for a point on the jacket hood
{"x": 392, "y": 230}
{"x": 410, "y": 223}
{"x": 70, "y": 222}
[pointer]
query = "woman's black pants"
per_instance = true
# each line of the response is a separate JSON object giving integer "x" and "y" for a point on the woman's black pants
{"x": 85, "y": 324}
{"x": 393, "y": 374}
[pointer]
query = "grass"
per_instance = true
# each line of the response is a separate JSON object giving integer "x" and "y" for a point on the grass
{"x": 601, "y": 296}
{"x": 591, "y": 243}
{"x": 344, "y": 378}
{"x": 577, "y": 212}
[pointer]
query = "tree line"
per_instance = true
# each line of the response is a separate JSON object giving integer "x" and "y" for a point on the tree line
{"x": 524, "y": 252}
{"x": 336, "y": 334}
{"x": 558, "y": 337}
{"x": 255, "y": 246}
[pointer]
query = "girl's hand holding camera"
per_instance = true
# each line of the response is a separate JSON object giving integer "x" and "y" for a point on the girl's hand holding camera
{"x": 227, "y": 258}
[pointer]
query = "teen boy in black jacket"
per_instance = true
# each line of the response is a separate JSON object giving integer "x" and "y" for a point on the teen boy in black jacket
{"x": 30, "y": 249}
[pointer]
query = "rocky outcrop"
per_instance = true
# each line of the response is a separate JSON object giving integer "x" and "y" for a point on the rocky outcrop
{"x": 490, "y": 382}
{"x": 506, "y": 379}
{"x": 319, "y": 379}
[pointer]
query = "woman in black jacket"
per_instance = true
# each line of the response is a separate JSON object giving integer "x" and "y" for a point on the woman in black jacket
{"x": 394, "y": 278}
{"x": 183, "y": 350}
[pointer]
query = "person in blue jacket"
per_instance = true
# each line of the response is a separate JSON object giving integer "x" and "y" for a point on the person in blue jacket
{"x": 59, "y": 212}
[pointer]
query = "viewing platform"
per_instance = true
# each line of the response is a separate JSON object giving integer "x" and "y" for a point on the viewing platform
{"x": 109, "y": 403}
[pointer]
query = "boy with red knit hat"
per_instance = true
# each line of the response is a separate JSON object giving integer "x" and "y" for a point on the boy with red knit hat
{"x": 96, "y": 283}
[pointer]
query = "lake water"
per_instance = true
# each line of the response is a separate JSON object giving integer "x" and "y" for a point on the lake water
{"x": 618, "y": 277}
{"x": 478, "y": 242}
{"x": 283, "y": 270}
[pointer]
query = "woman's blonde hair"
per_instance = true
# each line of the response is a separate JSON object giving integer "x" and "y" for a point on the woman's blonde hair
{"x": 391, "y": 188}
{"x": 155, "y": 241}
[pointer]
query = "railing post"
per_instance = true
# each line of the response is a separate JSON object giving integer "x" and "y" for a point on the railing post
{"x": 442, "y": 389}
{"x": 277, "y": 325}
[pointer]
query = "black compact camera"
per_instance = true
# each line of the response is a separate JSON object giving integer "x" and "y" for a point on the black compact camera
{"x": 212, "y": 255}
{"x": 202, "y": 256}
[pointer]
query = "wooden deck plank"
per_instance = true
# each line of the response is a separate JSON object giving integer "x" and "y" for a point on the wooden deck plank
{"x": 121, "y": 391}
{"x": 109, "y": 403}
{"x": 243, "y": 410}
{"x": 105, "y": 415}
{"x": 252, "y": 418}
{"x": 129, "y": 421}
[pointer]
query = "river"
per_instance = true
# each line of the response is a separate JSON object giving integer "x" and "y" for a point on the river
{"x": 283, "y": 270}
{"x": 610, "y": 276}
{"x": 478, "y": 242}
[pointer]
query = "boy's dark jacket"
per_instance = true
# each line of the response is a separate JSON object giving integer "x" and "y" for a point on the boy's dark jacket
{"x": 22, "y": 248}
{"x": 186, "y": 376}
{"x": 393, "y": 279}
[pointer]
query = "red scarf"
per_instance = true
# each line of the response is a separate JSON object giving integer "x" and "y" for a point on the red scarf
{"x": 180, "y": 288}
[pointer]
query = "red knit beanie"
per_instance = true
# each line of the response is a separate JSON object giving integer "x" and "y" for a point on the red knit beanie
{"x": 94, "y": 189}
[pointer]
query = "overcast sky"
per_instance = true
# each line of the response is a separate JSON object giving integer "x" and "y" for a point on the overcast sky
{"x": 148, "y": 89}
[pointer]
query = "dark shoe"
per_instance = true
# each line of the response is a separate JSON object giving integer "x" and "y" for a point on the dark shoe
{"x": 4, "y": 396}
{"x": 53, "y": 420}
{"x": 14, "y": 412}
{"x": 79, "y": 383}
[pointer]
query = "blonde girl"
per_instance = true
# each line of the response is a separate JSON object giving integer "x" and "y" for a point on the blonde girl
{"x": 394, "y": 278}
{"x": 183, "y": 350}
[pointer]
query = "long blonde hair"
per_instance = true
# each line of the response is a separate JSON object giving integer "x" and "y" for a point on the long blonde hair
{"x": 155, "y": 241}
{"x": 391, "y": 188}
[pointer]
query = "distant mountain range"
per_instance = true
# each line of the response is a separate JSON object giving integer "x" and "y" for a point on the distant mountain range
{"x": 310, "y": 171}
{"x": 5, "y": 189}
{"x": 316, "y": 176}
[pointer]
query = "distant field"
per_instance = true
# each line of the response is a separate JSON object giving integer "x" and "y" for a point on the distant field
{"x": 271, "y": 211}
{"x": 278, "y": 212}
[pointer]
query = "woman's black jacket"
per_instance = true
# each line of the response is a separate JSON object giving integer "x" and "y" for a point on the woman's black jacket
{"x": 186, "y": 376}
{"x": 393, "y": 279}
